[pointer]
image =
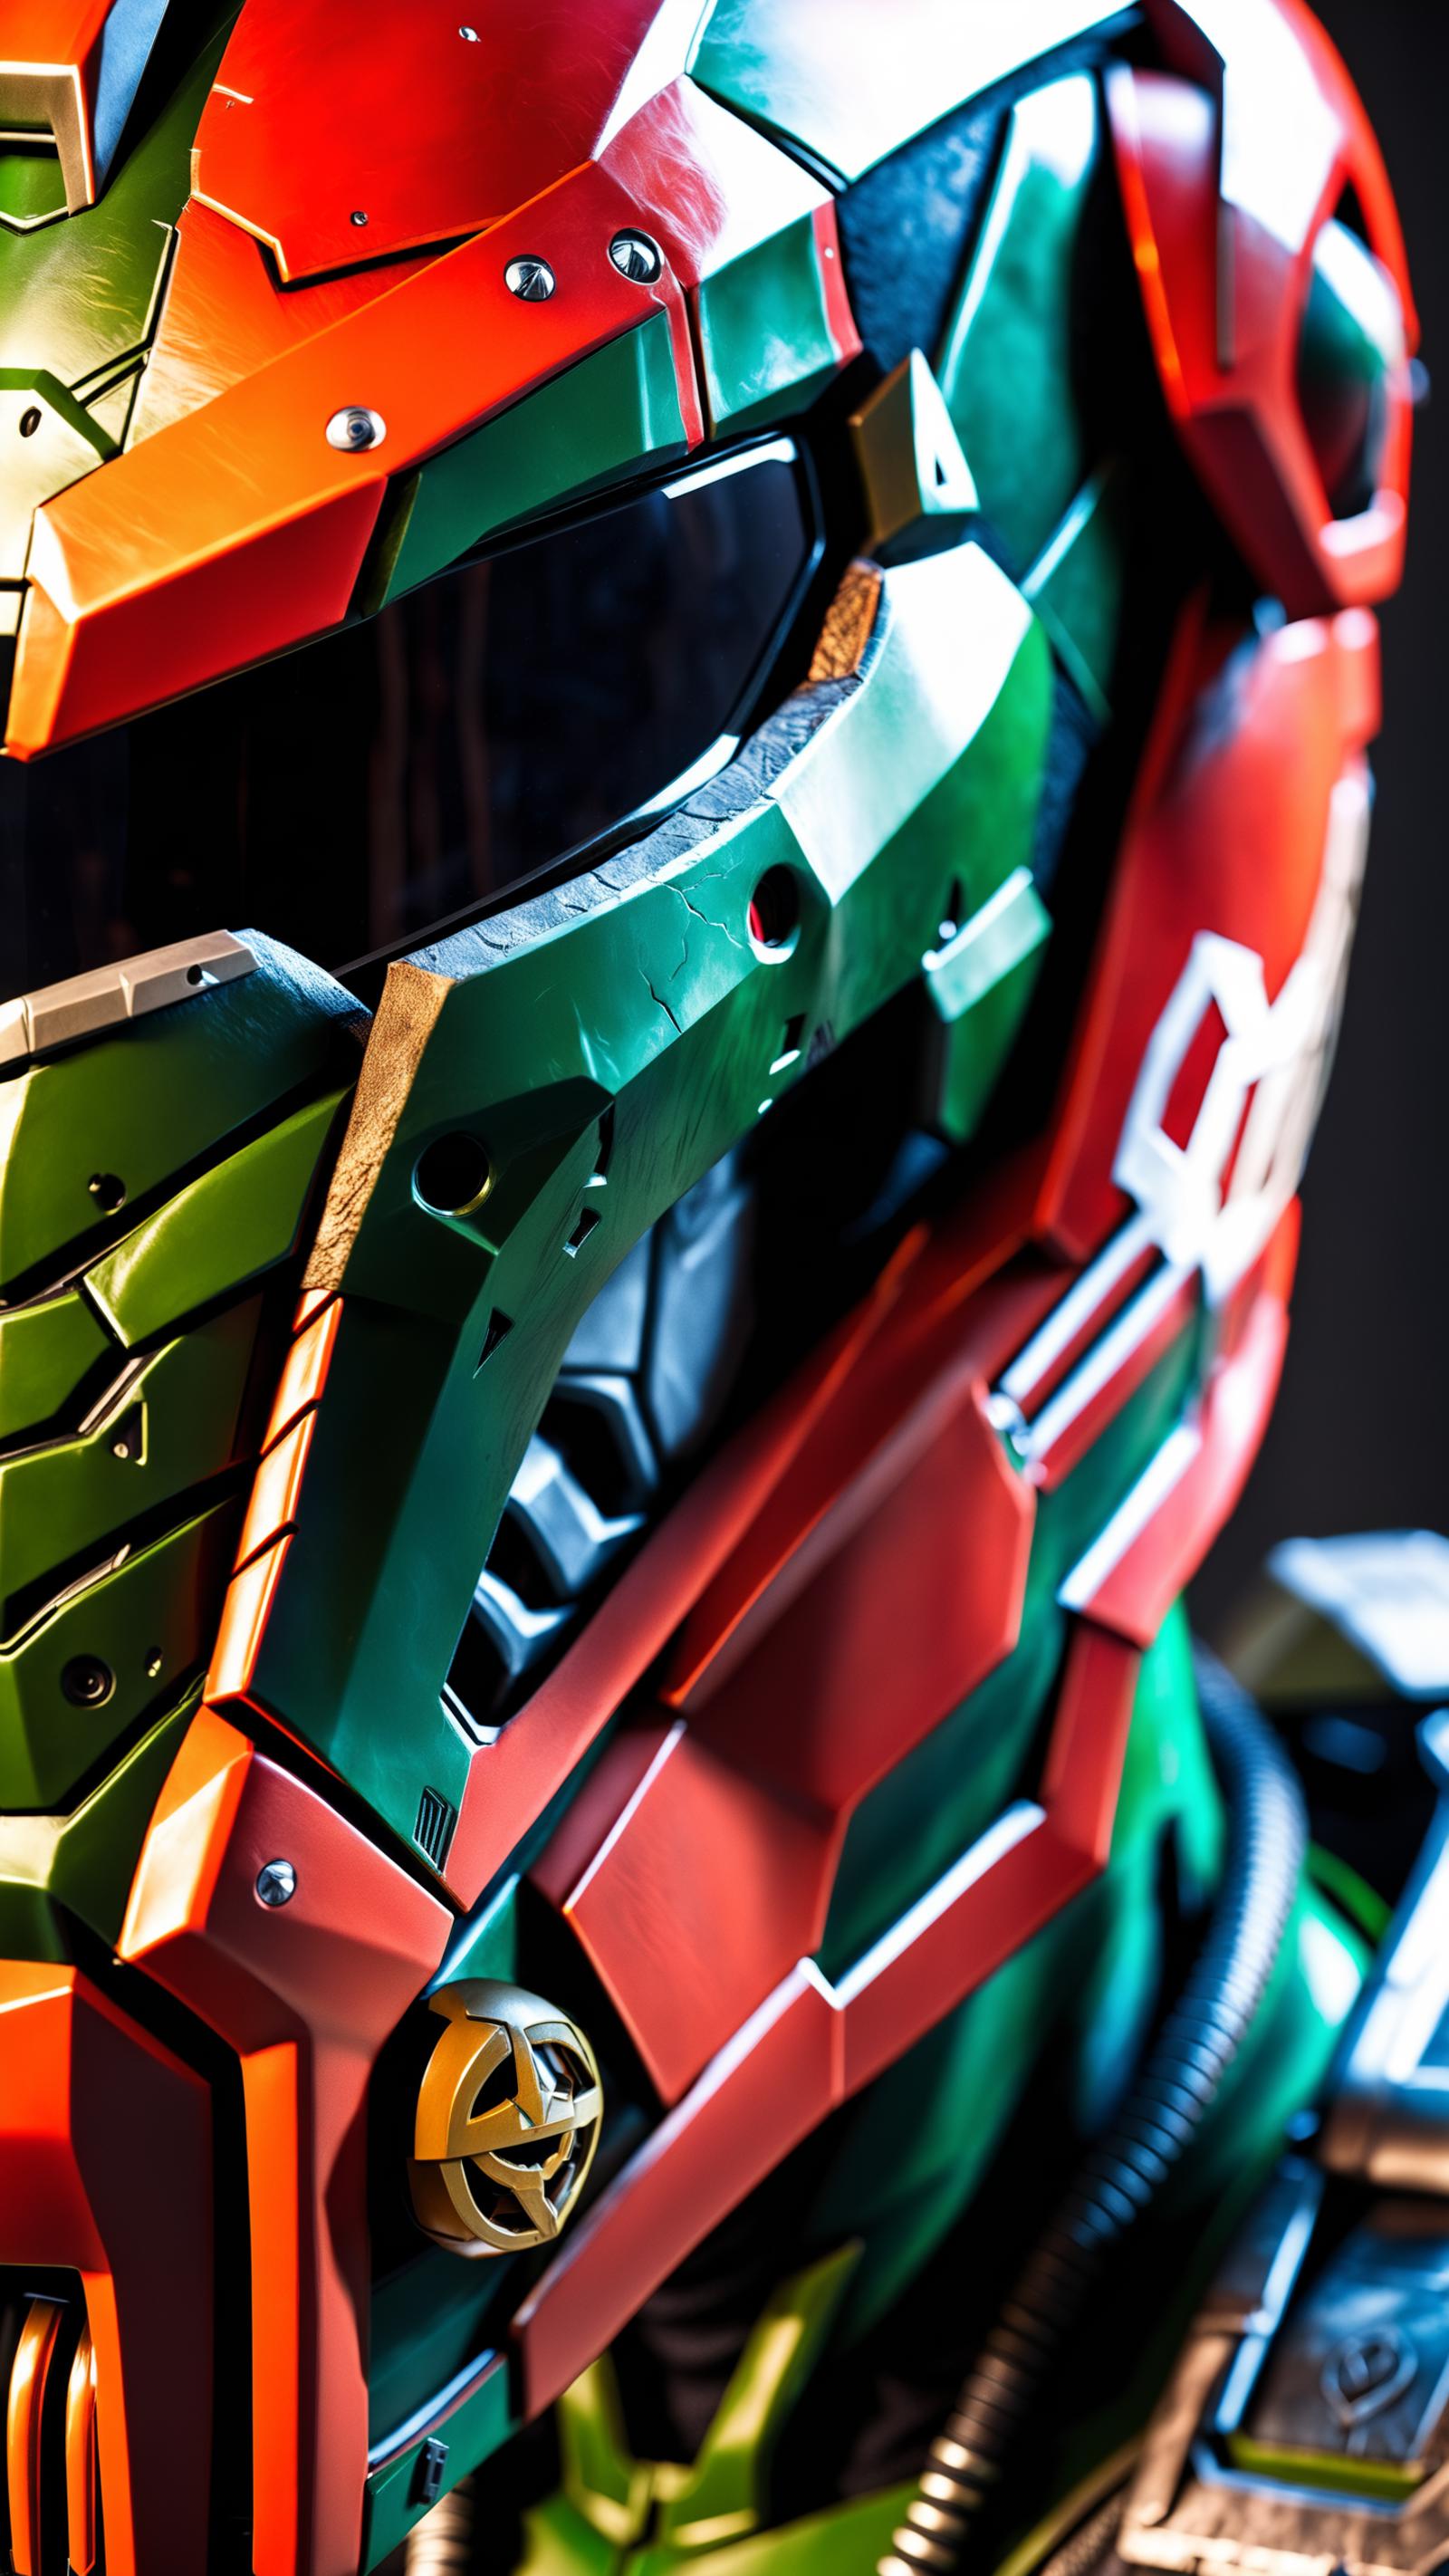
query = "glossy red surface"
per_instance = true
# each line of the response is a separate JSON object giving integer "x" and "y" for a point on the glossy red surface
{"x": 1228, "y": 836}
{"x": 105, "y": 2169}
{"x": 236, "y": 529}
{"x": 1226, "y": 190}
{"x": 812, "y": 2044}
{"x": 305, "y": 1993}
{"x": 302, "y": 133}
{"x": 1136, "y": 1592}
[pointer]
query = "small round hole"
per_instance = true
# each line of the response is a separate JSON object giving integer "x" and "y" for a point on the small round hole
{"x": 775, "y": 909}
{"x": 108, "y": 1190}
{"x": 30, "y": 420}
{"x": 358, "y": 217}
{"x": 953, "y": 912}
{"x": 87, "y": 1682}
{"x": 453, "y": 1175}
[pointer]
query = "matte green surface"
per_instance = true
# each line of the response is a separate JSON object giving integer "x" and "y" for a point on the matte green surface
{"x": 638, "y": 988}
{"x": 474, "y": 2432}
{"x": 32, "y": 184}
{"x": 851, "y": 89}
{"x": 851, "y": 2536}
{"x": 1077, "y": 586}
{"x": 912, "y": 465}
{"x": 78, "y": 304}
{"x": 116, "y": 1535}
{"x": 81, "y": 1866}
{"x": 217, "y": 1236}
{"x": 151, "y": 1622}
{"x": 46, "y": 1351}
{"x": 150, "y": 1098}
{"x": 647, "y": 2518}
{"x": 726, "y": 2493}
{"x": 609, "y": 416}
{"x": 755, "y": 372}
{"x": 66, "y": 1508}
{"x": 1012, "y": 327}
{"x": 979, "y": 986}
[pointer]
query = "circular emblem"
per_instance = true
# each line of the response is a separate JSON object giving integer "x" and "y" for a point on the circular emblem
{"x": 507, "y": 2121}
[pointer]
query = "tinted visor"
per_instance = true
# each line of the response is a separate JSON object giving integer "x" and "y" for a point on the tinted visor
{"x": 418, "y": 767}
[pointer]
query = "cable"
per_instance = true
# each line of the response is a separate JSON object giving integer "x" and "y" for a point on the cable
{"x": 1128, "y": 2166}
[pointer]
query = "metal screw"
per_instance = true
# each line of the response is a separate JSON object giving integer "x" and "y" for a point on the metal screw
{"x": 276, "y": 1883}
{"x": 636, "y": 256}
{"x": 532, "y": 280}
{"x": 357, "y": 216}
{"x": 355, "y": 428}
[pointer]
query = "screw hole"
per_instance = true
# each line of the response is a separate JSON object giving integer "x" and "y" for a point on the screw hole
{"x": 453, "y": 1175}
{"x": 108, "y": 1190}
{"x": 358, "y": 216}
{"x": 953, "y": 912}
{"x": 87, "y": 1682}
{"x": 30, "y": 420}
{"x": 775, "y": 909}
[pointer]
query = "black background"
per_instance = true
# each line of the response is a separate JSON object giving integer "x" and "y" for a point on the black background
{"x": 1360, "y": 1439}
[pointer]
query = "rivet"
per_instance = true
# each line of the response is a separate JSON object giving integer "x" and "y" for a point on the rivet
{"x": 636, "y": 257}
{"x": 357, "y": 216}
{"x": 108, "y": 1190}
{"x": 30, "y": 420}
{"x": 531, "y": 280}
{"x": 276, "y": 1883}
{"x": 356, "y": 428}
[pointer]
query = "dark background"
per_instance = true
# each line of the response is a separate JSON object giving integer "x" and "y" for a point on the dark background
{"x": 1360, "y": 1439}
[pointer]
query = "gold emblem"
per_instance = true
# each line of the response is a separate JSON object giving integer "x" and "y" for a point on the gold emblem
{"x": 508, "y": 2120}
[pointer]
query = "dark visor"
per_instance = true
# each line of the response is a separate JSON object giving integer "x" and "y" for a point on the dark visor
{"x": 415, "y": 768}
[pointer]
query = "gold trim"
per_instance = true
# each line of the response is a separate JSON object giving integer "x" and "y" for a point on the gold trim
{"x": 508, "y": 2119}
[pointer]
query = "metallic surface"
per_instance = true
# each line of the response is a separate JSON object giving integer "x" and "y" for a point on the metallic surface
{"x": 80, "y": 1006}
{"x": 479, "y": 2180}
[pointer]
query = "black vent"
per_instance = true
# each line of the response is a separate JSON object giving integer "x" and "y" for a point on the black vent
{"x": 434, "y": 1829}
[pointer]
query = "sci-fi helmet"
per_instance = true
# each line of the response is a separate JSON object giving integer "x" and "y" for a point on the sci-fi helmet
{"x": 686, "y": 699}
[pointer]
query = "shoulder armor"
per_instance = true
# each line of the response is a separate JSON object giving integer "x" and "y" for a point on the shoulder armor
{"x": 1254, "y": 190}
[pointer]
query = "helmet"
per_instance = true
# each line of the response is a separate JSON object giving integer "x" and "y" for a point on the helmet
{"x": 686, "y": 706}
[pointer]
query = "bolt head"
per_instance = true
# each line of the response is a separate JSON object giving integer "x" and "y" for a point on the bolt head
{"x": 355, "y": 429}
{"x": 531, "y": 280}
{"x": 276, "y": 1883}
{"x": 637, "y": 257}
